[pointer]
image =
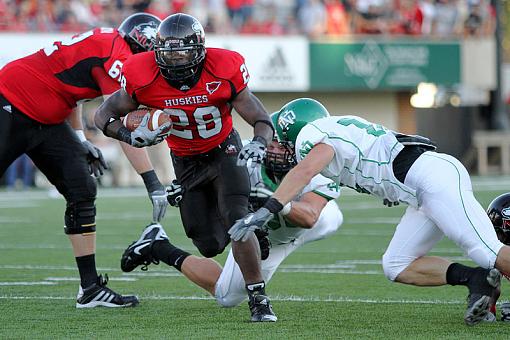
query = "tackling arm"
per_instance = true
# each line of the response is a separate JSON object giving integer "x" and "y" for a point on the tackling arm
{"x": 293, "y": 183}
{"x": 297, "y": 178}
{"x": 307, "y": 210}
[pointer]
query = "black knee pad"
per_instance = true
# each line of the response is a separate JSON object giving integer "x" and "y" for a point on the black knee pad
{"x": 80, "y": 218}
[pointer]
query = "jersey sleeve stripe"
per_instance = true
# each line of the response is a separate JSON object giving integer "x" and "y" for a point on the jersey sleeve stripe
{"x": 329, "y": 198}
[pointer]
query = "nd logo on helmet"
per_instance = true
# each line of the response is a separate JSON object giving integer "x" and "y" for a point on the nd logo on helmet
{"x": 286, "y": 118}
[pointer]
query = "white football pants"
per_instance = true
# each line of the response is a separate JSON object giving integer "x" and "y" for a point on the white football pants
{"x": 230, "y": 287}
{"x": 446, "y": 207}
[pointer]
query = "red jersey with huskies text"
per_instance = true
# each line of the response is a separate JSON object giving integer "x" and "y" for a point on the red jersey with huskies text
{"x": 201, "y": 115}
{"x": 47, "y": 85}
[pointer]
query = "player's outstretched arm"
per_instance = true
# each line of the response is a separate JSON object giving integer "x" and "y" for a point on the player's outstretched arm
{"x": 297, "y": 178}
{"x": 293, "y": 183}
{"x": 306, "y": 211}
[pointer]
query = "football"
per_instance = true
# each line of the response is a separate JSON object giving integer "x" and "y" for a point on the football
{"x": 133, "y": 119}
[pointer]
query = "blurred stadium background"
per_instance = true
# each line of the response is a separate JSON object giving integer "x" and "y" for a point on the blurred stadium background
{"x": 434, "y": 67}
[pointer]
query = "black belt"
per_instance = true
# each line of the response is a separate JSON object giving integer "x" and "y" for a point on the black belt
{"x": 211, "y": 153}
{"x": 405, "y": 159}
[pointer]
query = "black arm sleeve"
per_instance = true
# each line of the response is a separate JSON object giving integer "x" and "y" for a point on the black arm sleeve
{"x": 107, "y": 117}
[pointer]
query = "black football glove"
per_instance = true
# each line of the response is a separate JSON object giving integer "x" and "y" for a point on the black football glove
{"x": 174, "y": 193}
{"x": 259, "y": 197}
{"x": 95, "y": 159}
{"x": 243, "y": 227}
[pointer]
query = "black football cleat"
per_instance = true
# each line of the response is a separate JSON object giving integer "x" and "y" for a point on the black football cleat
{"x": 261, "y": 309}
{"x": 98, "y": 295}
{"x": 139, "y": 252}
{"x": 481, "y": 288}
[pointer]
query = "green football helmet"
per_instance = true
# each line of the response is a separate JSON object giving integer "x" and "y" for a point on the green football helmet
{"x": 278, "y": 161}
{"x": 294, "y": 115}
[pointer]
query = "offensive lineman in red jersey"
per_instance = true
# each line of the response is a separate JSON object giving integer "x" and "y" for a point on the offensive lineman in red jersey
{"x": 37, "y": 94}
{"x": 198, "y": 88}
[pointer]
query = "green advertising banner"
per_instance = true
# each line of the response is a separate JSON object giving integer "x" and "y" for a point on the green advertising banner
{"x": 383, "y": 65}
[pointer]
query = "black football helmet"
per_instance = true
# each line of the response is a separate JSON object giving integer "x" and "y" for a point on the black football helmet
{"x": 499, "y": 214}
{"x": 180, "y": 50}
{"x": 279, "y": 161}
{"x": 139, "y": 30}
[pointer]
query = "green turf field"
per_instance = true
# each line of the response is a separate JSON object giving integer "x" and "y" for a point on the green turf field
{"x": 332, "y": 288}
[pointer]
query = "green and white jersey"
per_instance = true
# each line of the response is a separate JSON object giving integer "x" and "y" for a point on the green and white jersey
{"x": 281, "y": 230}
{"x": 364, "y": 154}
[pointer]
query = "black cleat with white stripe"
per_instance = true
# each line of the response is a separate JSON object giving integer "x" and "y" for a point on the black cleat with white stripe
{"x": 261, "y": 309}
{"x": 98, "y": 295}
{"x": 139, "y": 252}
{"x": 481, "y": 287}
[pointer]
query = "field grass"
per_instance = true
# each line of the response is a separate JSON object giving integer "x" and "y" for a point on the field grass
{"x": 333, "y": 288}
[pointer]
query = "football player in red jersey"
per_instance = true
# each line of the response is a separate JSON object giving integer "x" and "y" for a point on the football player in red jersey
{"x": 198, "y": 87}
{"x": 38, "y": 93}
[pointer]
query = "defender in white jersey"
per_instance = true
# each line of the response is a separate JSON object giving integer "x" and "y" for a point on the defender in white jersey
{"x": 397, "y": 168}
{"x": 312, "y": 215}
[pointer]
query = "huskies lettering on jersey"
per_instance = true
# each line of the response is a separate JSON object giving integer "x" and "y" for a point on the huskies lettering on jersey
{"x": 187, "y": 100}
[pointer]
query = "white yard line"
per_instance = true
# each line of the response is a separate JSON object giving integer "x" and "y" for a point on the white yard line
{"x": 18, "y": 204}
{"x": 331, "y": 271}
{"x": 27, "y": 283}
{"x": 284, "y": 298}
{"x": 339, "y": 267}
{"x": 77, "y": 279}
{"x": 17, "y": 220}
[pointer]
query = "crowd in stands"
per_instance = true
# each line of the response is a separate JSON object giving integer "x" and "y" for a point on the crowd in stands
{"x": 314, "y": 18}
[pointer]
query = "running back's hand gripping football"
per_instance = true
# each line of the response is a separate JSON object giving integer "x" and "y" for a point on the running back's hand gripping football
{"x": 143, "y": 135}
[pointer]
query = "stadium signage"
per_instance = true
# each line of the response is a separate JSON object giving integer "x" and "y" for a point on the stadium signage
{"x": 275, "y": 64}
{"x": 383, "y": 65}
